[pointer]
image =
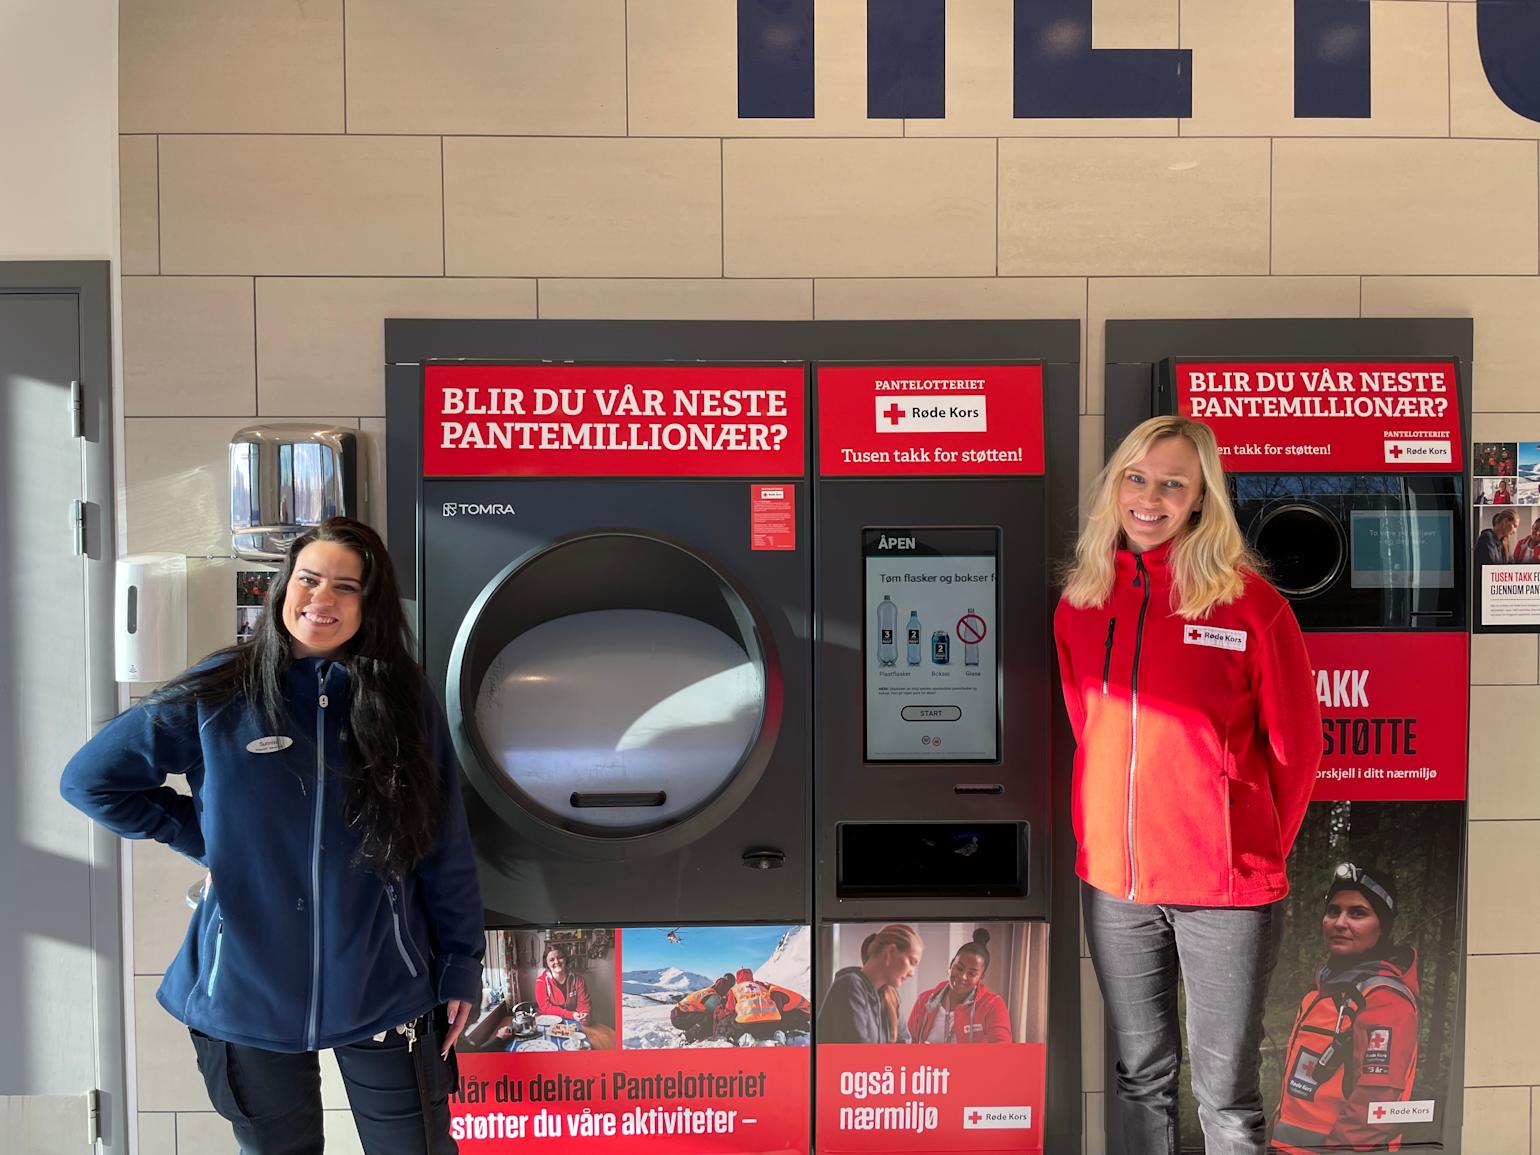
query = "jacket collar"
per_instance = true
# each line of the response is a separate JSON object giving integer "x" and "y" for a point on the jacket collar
{"x": 1157, "y": 564}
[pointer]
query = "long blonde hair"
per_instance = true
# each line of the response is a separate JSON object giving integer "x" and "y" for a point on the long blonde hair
{"x": 906, "y": 939}
{"x": 1208, "y": 558}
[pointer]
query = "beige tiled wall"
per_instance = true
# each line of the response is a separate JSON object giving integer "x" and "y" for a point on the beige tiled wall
{"x": 292, "y": 174}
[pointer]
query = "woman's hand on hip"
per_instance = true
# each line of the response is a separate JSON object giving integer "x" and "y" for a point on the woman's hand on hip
{"x": 459, "y": 1015}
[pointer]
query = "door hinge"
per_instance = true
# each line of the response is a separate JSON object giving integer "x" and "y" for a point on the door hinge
{"x": 78, "y": 526}
{"x": 77, "y": 410}
{"x": 93, "y": 1116}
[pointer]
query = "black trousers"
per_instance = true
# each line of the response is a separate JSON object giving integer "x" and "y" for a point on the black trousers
{"x": 273, "y": 1100}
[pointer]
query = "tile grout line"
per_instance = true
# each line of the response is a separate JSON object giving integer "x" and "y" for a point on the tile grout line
{"x": 344, "y": 67}
{"x": 722, "y": 202}
{"x": 443, "y": 215}
{"x": 625, "y": 61}
{"x": 256, "y": 361}
{"x": 158, "y": 260}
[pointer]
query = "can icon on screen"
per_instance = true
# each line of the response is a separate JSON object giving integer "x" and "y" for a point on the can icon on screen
{"x": 940, "y": 648}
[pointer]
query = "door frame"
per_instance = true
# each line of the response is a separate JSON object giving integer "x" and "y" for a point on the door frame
{"x": 90, "y": 282}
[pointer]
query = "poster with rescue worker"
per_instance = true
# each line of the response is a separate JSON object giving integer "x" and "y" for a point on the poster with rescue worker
{"x": 717, "y": 987}
{"x": 1359, "y": 1029}
{"x": 639, "y": 1041}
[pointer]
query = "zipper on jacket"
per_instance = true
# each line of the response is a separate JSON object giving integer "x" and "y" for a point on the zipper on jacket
{"x": 1112, "y": 625}
{"x": 395, "y": 919}
{"x": 315, "y": 861}
{"x": 1141, "y": 579}
{"x": 219, "y": 942}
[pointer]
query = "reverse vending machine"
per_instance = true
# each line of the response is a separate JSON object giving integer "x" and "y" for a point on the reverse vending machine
{"x": 662, "y": 644}
{"x": 945, "y": 490}
{"x": 1344, "y": 446}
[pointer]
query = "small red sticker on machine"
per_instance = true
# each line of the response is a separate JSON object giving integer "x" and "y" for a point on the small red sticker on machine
{"x": 1326, "y": 416}
{"x": 772, "y": 517}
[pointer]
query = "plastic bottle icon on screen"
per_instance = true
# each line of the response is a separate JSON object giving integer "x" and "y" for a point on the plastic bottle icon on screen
{"x": 970, "y": 649}
{"x": 887, "y": 631}
{"x": 940, "y": 648}
{"x": 913, "y": 630}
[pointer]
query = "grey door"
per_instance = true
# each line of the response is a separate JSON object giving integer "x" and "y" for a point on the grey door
{"x": 60, "y": 954}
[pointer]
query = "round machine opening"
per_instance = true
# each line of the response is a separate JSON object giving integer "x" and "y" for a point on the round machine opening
{"x": 611, "y": 685}
{"x": 1303, "y": 546}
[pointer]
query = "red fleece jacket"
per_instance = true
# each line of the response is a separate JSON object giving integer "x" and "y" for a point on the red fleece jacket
{"x": 1198, "y": 742}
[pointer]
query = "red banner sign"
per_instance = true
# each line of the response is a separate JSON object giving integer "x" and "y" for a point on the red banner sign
{"x": 943, "y": 1097}
{"x": 663, "y": 1102}
{"x": 930, "y": 420}
{"x": 1327, "y": 416}
{"x": 1395, "y": 713}
{"x": 613, "y": 421}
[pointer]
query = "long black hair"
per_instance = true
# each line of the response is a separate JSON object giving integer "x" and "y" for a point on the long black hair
{"x": 394, "y": 800}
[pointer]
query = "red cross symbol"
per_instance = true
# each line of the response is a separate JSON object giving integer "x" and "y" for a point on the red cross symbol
{"x": 1194, "y": 634}
{"x": 1395, "y": 451}
{"x": 975, "y": 1117}
{"x": 893, "y": 413}
{"x": 1379, "y": 1112}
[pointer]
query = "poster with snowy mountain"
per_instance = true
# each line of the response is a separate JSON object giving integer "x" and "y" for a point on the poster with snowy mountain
{"x": 714, "y": 1026}
{"x": 716, "y": 987}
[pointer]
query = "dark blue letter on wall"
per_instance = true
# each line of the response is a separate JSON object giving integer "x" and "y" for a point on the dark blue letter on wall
{"x": 1331, "y": 58}
{"x": 1508, "y": 32}
{"x": 1058, "y": 74}
{"x": 906, "y": 59}
{"x": 775, "y": 58}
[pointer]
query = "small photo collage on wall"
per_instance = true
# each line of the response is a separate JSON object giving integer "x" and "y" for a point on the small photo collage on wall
{"x": 1505, "y": 490}
{"x": 251, "y": 587}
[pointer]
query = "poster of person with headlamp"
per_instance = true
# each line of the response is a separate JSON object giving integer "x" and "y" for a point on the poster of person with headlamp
{"x": 1350, "y": 1062}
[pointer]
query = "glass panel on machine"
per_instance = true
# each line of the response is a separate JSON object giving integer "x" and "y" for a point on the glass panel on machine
{"x": 629, "y": 716}
{"x": 1402, "y": 549}
{"x": 931, "y": 663}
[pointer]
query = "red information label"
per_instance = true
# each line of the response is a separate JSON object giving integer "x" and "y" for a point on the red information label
{"x": 662, "y": 1102}
{"x": 613, "y": 421}
{"x": 772, "y": 517}
{"x": 941, "y": 1097}
{"x": 1395, "y": 715}
{"x": 931, "y": 420}
{"x": 1327, "y": 416}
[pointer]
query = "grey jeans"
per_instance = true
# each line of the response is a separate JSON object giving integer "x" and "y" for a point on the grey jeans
{"x": 1224, "y": 956}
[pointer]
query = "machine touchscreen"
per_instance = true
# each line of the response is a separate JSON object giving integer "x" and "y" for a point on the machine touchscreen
{"x": 1402, "y": 549}
{"x": 931, "y": 664}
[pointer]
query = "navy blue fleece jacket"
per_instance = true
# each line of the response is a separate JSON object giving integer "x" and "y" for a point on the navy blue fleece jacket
{"x": 294, "y": 947}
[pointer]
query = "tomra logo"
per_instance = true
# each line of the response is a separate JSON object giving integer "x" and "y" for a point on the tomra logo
{"x": 886, "y": 542}
{"x": 477, "y": 508}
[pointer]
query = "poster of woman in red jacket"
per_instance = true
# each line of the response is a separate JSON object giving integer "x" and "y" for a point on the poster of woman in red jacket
{"x": 1351, "y": 1058}
{"x": 1198, "y": 734}
{"x": 960, "y": 1008}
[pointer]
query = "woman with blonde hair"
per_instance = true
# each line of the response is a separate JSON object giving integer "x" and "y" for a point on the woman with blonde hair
{"x": 1198, "y": 734}
{"x": 862, "y": 1003}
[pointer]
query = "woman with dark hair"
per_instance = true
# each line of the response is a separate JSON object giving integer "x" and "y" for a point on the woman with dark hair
{"x": 341, "y": 909}
{"x": 1354, "y": 1041}
{"x": 960, "y": 1008}
{"x": 558, "y": 991}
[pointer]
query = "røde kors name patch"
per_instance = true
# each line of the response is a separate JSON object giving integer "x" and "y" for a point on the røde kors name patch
{"x": 1214, "y": 636}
